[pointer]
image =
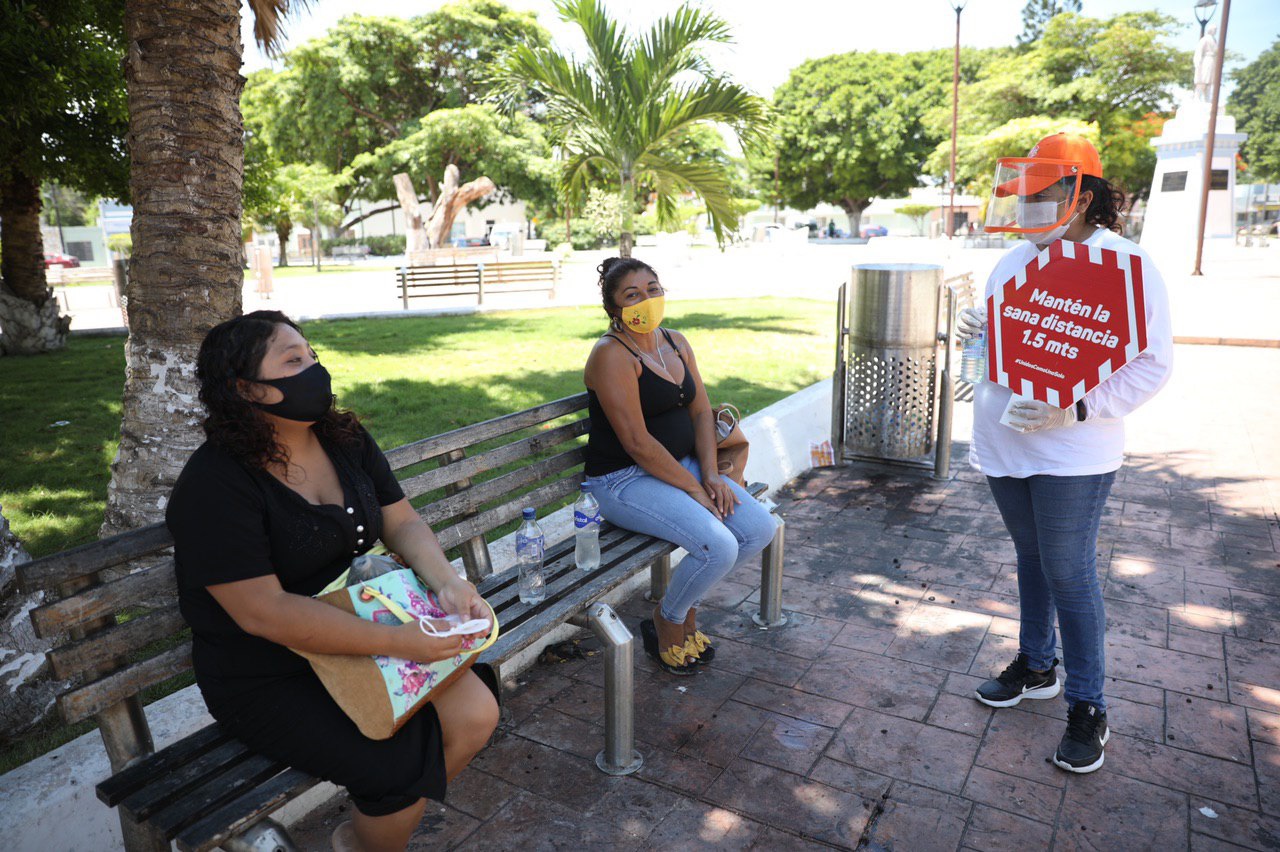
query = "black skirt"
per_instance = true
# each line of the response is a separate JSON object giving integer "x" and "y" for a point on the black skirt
{"x": 295, "y": 721}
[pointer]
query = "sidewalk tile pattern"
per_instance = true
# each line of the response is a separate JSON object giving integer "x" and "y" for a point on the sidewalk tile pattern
{"x": 855, "y": 727}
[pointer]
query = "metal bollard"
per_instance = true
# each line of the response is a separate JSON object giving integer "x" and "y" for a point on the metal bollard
{"x": 659, "y": 578}
{"x": 619, "y": 756}
{"x": 771, "y": 614}
{"x": 946, "y": 397}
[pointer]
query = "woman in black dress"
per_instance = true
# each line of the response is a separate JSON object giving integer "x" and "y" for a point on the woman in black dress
{"x": 284, "y": 492}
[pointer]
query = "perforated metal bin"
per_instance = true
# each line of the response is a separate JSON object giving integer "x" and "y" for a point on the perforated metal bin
{"x": 886, "y": 388}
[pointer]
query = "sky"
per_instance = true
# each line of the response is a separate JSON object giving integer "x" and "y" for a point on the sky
{"x": 772, "y": 37}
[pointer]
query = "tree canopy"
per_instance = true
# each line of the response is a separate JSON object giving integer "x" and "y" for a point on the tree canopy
{"x": 370, "y": 81}
{"x": 510, "y": 150}
{"x": 63, "y": 115}
{"x": 1255, "y": 102}
{"x": 63, "y": 119}
{"x": 851, "y": 128}
{"x": 1117, "y": 75}
{"x": 1037, "y": 13}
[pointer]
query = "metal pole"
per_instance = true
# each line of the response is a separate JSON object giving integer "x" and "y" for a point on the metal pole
{"x": 838, "y": 377}
{"x": 57, "y": 218}
{"x": 1212, "y": 138}
{"x": 659, "y": 578}
{"x": 619, "y": 756}
{"x": 776, "y": 197}
{"x": 955, "y": 123}
{"x": 315, "y": 234}
{"x": 771, "y": 614}
{"x": 942, "y": 445}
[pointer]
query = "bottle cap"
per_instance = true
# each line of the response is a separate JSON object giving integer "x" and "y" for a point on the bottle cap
{"x": 585, "y": 488}
{"x": 529, "y": 514}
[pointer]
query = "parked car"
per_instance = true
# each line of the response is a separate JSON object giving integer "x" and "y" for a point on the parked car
{"x": 64, "y": 260}
{"x": 470, "y": 242}
{"x": 869, "y": 231}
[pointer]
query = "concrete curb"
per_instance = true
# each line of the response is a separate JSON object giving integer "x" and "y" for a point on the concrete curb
{"x": 1227, "y": 341}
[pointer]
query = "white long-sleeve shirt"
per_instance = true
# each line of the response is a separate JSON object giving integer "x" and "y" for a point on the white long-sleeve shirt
{"x": 1097, "y": 444}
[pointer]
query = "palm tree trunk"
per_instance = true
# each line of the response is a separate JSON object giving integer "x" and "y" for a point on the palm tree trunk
{"x": 627, "y": 239}
{"x": 284, "y": 227}
{"x": 28, "y": 310}
{"x": 186, "y": 145}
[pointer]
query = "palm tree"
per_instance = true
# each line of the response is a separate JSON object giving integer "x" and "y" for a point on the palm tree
{"x": 186, "y": 148}
{"x": 622, "y": 110}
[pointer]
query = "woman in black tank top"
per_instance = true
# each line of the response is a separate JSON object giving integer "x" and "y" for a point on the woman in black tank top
{"x": 651, "y": 458}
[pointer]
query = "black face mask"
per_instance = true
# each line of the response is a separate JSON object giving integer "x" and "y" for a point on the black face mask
{"x": 307, "y": 395}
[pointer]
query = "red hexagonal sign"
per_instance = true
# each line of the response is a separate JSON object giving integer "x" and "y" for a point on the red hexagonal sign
{"x": 1066, "y": 321}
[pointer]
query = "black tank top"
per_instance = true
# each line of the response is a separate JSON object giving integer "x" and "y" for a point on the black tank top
{"x": 665, "y": 406}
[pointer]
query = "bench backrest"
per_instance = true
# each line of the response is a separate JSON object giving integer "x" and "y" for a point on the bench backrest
{"x": 493, "y": 272}
{"x": 112, "y": 642}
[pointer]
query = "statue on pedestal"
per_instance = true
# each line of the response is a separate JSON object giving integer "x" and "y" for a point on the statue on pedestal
{"x": 1206, "y": 61}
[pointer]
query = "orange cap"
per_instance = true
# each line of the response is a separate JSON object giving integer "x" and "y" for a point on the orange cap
{"x": 1070, "y": 147}
{"x": 1055, "y": 150}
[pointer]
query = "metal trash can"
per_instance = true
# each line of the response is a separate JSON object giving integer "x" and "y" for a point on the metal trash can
{"x": 885, "y": 392}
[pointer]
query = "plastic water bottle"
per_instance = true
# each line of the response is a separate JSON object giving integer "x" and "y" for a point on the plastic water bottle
{"x": 973, "y": 361}
{"x": 586, "y": 531}
{"x": 530, "y": 546}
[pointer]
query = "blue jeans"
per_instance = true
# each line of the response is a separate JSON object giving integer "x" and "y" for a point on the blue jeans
{"x": 634, "y": 500}
{"x": 1053, "y": 521}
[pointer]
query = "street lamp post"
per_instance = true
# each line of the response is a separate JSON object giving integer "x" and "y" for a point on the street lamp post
{"x": 1211, "y": 139}
{"x": 958, "y": 6}
{"x": 1204, "y": 10}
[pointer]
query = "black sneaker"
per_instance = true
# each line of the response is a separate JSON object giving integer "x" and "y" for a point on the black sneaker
{"x": 1018, "y": 682}
{"x": 1081, "y": 746}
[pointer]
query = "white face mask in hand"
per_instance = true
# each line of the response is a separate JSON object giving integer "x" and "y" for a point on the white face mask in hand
{"x": 452, "y": 625}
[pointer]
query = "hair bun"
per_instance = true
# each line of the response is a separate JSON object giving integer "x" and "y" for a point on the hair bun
{"x": 607, "y": 264}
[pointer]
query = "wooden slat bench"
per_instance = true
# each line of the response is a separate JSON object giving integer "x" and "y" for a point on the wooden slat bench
{"x": 478, "y": 279}
{"x": 208, "y": 789}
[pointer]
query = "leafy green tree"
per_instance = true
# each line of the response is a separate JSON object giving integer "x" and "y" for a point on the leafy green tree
{"x": 1255, "y": 102}
{"x": 510, "y": 150}
{"x": 621, "y": 110}
{"x": 1037, "y": 13}
{"x": 372, "y": 80}
{"x": 67, "y": 206}
{"x": 1117, "y": 75}
{"x": 916, "y": 213}
{"x": 297, "y": 193}
{"x": 62, "y": 119}
{"x": 851, "y": 128}
{"x": 976, "y": 154}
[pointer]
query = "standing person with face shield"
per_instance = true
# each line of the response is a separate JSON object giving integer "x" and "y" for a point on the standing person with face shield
{"x": 651, "y": 459}
{"x": 1051, "y": 469}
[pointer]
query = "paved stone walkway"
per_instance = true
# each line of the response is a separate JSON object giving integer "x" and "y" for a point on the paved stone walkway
{"x": 855, "y": 725}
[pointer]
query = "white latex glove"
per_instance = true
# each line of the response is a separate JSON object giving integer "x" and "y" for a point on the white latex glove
{"x": 1032, "y": 415}
{"x": 970, "y": 322}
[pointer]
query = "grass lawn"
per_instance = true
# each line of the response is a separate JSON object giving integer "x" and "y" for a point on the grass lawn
{"x": 407, "y": 379}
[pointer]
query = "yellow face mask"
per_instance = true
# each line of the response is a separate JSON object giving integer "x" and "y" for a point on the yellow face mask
{"x": 644, "y": 317}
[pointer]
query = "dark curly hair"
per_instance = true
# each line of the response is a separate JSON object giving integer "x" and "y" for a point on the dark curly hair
{"x": 612, "y": 270}
{"x": 232, "y": 351}
{"x": 1107, "y": 207}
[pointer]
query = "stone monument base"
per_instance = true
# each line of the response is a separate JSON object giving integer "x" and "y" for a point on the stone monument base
{"x": 1173, "y": 209}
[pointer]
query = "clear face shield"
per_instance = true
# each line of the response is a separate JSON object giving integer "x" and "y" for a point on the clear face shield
{"x": 1031, "y": 196}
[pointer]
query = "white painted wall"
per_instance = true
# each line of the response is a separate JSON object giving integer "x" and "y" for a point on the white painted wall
{"x": 48, "y": 805}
